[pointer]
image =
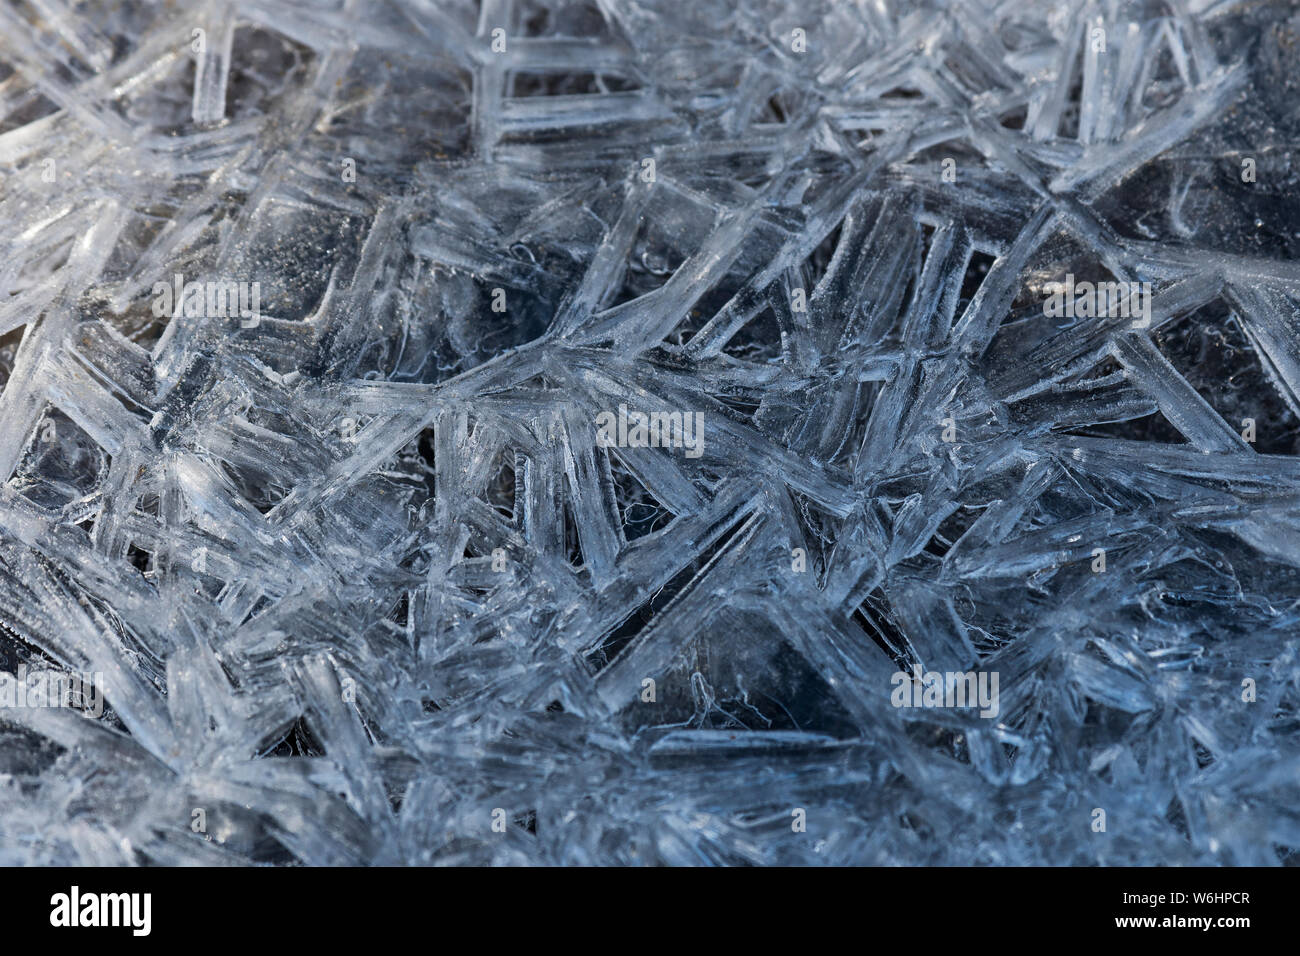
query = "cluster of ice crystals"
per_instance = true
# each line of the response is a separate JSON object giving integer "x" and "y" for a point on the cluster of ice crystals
{"x": 333, "y": 329}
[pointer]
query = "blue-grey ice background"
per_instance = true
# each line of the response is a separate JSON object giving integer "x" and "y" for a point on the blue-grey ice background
{"x": 357, "y": 583}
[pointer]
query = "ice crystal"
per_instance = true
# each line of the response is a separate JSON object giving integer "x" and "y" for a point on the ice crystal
{"x": 530, "y": 431}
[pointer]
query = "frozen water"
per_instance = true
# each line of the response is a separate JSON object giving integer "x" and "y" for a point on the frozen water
{"x": 540, "y": 432}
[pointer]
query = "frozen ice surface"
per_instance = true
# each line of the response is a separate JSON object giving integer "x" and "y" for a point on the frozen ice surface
{"x": 361, "y": 571}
